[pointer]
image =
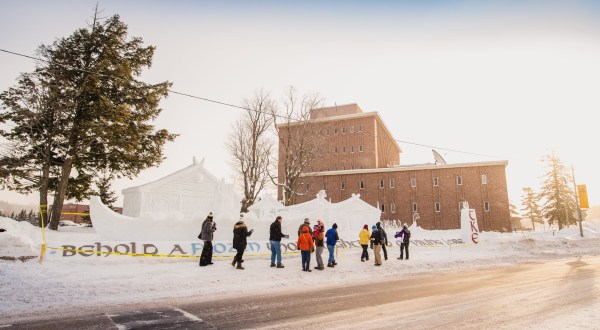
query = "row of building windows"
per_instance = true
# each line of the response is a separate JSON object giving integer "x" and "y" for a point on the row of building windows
{"x": 335, "y": 149}
{"x": 436, "y": 206}
{"x": 335, "y": 130}
{"x": 413, "y": 182}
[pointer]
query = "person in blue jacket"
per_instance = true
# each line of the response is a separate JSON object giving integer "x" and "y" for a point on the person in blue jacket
{"x": 332, "y": 238}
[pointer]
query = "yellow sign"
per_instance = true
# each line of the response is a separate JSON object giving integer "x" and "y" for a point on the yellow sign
{"x": 583, "y": 198}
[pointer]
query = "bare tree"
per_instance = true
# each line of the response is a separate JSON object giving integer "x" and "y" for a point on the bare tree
{"x": 300, "y": 141}
{"x": 250, "y": 147}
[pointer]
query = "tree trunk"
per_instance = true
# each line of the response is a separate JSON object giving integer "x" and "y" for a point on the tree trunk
{"x": 43, "y": 216}
{"x": 61, "y": 190}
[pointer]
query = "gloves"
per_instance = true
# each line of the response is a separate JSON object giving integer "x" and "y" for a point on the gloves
{"x": 251, "y": 230}
{"x": 286, "y": 236}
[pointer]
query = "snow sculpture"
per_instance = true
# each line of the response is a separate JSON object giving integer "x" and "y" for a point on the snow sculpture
{"x": 191, "y": 192}
{"x": 468, "y": 224}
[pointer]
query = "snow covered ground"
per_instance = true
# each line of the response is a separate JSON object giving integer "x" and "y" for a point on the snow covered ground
{"x": 97, "y": 283}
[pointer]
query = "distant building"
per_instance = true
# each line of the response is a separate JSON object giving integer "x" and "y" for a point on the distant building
{"x": 360, "y": 156}
{"x": 79, "y": 213}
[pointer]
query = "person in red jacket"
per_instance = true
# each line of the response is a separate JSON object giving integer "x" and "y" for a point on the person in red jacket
{"x": 306, "y": 246}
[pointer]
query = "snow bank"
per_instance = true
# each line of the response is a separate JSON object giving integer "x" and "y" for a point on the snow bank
{"x": 99, "y": 282}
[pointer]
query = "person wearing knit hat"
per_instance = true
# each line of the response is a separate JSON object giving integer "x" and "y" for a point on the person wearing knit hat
{"x": 319, "y": 236}
{"x": 208, "y": 228}
{"x": 376, "y": 241}
{"x": 332, "y": 238}
{"x": 364, "y": 237}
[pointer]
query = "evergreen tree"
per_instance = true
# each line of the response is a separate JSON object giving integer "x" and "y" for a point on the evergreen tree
{"x": 103, "y": 185}
{"x": 559, "y": 201}
{"x": 105, "y": 113}
{"x": 530, "y": 206}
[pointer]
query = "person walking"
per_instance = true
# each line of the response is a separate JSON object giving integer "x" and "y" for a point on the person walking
{"x": 404, "y": 235}
{"x": 376, "y": 240}
{"x": 306, "y": 246}
{"x": 275, "y": 236}
{"x": 240, "y": 234}
{"x": 319, "y": 235}
{"x": 384, "y": 238}
{"x": 332, "y": 238}
{"x": 208, "y": 228}
{"x": 364, "y": 237}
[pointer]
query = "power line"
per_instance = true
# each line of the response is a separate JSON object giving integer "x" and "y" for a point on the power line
{"x": 229, "y": 104}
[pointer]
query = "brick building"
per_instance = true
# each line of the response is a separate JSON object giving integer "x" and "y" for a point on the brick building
{"x": 359, "y": 155}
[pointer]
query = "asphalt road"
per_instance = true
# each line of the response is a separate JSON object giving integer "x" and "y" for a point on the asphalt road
{"x": 542, "y": 295}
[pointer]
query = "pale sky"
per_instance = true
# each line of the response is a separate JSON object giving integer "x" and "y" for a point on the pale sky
{"x": 509, "y": 79}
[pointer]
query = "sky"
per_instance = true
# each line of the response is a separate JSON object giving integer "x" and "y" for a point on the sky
{"x": 32, "y": 289}
{"x": 500, "y": 80}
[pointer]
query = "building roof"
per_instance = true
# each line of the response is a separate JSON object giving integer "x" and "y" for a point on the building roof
{"x": 350, "y": 116}
{"x": 415, "y": 167}
{"x": 197, "y": 167}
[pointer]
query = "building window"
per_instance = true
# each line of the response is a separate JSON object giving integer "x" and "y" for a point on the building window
{"x": 437, "y": 207}
{"x": 459, "y": 180}
{"x": 413, "y": 182}
{"x": 327, "y": 130}
{"x": 335, "y": 150}
{"x": 344, "y": 149}
{"x": 360, "y": 128}
{"x": 343, "y": 185}
{"x": 381, "y": 184}
{"x": 486, "y": 206}
{"x": 324, "y": 185}
{"x": 483, "y": 179}
{"x": 461, "y": 205}
{"x": 335, "y": 131}
{"x": 307, "y": 186}
{"x": 327, "y": 150}
{"x": 436, "y": 181}
{"x": 414, "y": 208}
{"x": 391, "y": 183}
{"x": 360, "y": 149}
{"x": 352, "y": 149}
{"x": 361, "y": 184}
{"x": 351, "y": 129}
{"x": 393, "y": 208}
{"x": 382, "y": 208}
{"x": 343, "y": 130}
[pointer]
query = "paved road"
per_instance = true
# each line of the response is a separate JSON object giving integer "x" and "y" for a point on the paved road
{"x": 552, "y": 294}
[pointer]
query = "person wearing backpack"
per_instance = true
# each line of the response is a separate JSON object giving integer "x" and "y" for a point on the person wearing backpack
{"x": 332, "y": 238}
{"x": 404, "y": 235}
{"x": 376, "y": 241}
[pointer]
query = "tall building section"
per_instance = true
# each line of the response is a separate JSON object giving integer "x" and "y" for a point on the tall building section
{"x": 358, "y": 155}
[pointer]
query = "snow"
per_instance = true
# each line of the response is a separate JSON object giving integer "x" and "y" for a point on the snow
{"x": 91, "y": 283}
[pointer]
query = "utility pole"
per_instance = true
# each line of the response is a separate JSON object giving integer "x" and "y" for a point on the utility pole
{"x": 577, "y": 200}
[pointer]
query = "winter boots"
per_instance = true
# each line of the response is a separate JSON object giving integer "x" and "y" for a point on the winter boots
{"x": 239, "y": 265}
{"x": 331, "y": 265}
{"x": 280, "y": 266}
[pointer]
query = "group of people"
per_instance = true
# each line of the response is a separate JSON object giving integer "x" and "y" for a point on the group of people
{"x": 310, "y": 240}
{"x": 377, "y": 239}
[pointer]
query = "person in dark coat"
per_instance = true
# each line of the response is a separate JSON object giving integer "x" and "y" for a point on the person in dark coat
{"x": 306, "y": 223}
{"x": 208, "y": 228}
{"x": 404, "y": 234}
{"x": 275, "y": 236}
{"x": 376, "y": 242}
{"x": 240, "y": 234}
{"x": 319, "y": 235}
{"x": 383, "y": 235}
